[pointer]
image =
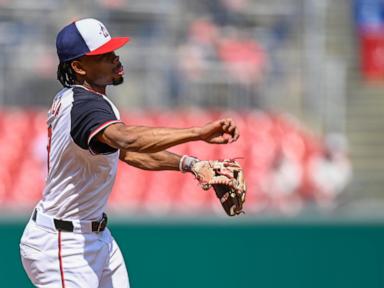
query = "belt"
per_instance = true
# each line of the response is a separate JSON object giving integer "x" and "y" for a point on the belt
{"x": 69, "y": 226}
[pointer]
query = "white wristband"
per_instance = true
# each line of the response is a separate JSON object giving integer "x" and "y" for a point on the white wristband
{"x": 186, "y": 162}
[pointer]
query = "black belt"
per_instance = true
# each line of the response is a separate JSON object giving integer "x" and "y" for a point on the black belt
{"x": 62, "y": 225}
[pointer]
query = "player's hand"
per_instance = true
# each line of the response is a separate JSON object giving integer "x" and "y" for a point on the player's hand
{"x": 222, "y": 131}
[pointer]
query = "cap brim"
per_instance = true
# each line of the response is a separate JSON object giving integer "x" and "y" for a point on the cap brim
{"x": 111, "y": 45}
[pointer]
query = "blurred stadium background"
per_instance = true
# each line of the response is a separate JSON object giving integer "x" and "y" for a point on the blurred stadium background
{"x": 303, "y": 79}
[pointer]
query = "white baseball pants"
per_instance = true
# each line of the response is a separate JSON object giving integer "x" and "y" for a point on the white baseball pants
{"x": 57, "y": 259}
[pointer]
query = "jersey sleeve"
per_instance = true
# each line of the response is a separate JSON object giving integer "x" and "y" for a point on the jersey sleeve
{"x": 89, "y": 117}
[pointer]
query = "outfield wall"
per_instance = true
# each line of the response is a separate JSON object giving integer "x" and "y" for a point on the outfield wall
{"x": 239, "y": 255}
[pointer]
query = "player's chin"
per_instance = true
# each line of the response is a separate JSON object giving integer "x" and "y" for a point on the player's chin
{"x": 117, "y": 81}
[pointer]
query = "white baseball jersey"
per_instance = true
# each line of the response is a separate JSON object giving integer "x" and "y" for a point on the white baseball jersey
{"x": 80, "y": 179}
{"x": 82, "y": 170}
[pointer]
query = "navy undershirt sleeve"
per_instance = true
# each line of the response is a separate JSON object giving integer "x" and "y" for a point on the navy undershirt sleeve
{"x": 90, "y": 112}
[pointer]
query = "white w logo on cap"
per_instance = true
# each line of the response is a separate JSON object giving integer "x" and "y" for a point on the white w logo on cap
{"x": 103, "y": 31}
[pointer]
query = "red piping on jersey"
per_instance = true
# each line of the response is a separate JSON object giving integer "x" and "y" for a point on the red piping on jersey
{"x": 49, "y": 146}
{"x": 61, "y": 262}
{"x": 101, "y": 127}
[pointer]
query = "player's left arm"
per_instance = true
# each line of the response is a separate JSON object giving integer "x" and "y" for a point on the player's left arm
{"x": 226, "y": 177}
{"x": 163, "y": 160}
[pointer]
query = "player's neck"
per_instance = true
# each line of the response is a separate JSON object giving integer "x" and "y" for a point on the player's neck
{"x": 93, "y": 88}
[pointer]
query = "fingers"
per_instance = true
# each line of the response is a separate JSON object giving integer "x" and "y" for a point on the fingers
{"x": 231, "y": 163}
{"x": 222, "y": 131}
{"x": 230, "y": 130}
{"x": 236, "y": 134}
{"x": 226, "y": 173}
{"x": 222, "y": 181}
{"x": 226, "y": 124}
{"x": 226, "y": 178}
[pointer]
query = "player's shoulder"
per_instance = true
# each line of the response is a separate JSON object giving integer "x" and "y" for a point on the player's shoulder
{"x": 63, "y": 98}
{"x": 86, "y": 101}
{"x": 83, "y": 97}
{"x": 82, "y": 94}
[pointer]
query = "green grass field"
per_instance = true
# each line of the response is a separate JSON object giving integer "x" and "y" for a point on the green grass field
{"x": 240, "y": 254}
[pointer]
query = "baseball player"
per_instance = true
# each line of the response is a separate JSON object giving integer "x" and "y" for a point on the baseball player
{"x": 66, "y": 242}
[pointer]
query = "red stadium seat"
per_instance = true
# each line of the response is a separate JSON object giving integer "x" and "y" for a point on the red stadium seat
{"x": 29, "y": 184}
{"x": 5, "y": 183}
{"x": 129, "y": 189}
{"x": 191, "y": 198}
{"x": 160, "y": 192}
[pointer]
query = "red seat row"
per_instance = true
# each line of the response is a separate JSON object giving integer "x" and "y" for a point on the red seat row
{"x": 264, "y": 138}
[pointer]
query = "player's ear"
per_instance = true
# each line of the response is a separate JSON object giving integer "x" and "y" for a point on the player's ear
{"x": 78, "y": 67}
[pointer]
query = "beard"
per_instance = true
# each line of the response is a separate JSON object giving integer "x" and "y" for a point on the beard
{"x": 117, "y": 81}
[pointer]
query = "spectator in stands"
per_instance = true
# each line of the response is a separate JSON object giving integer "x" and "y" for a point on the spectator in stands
{"x": 199, "y": 47}
{"x": 245, "y": 61}
{"x": 329, "y": 171}
{"x": 194, "y": 55}
{"x": 231, "y": 49}
{"x": 283, "y": 182}
{"x": 244, "y": 56}
{"x": 228, "y": 12}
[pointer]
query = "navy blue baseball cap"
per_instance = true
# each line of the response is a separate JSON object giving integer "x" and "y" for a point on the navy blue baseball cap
{"x": 86, "y": 37}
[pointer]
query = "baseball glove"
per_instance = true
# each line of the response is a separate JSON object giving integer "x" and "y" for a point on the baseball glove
{"x": 227, "y": 179}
